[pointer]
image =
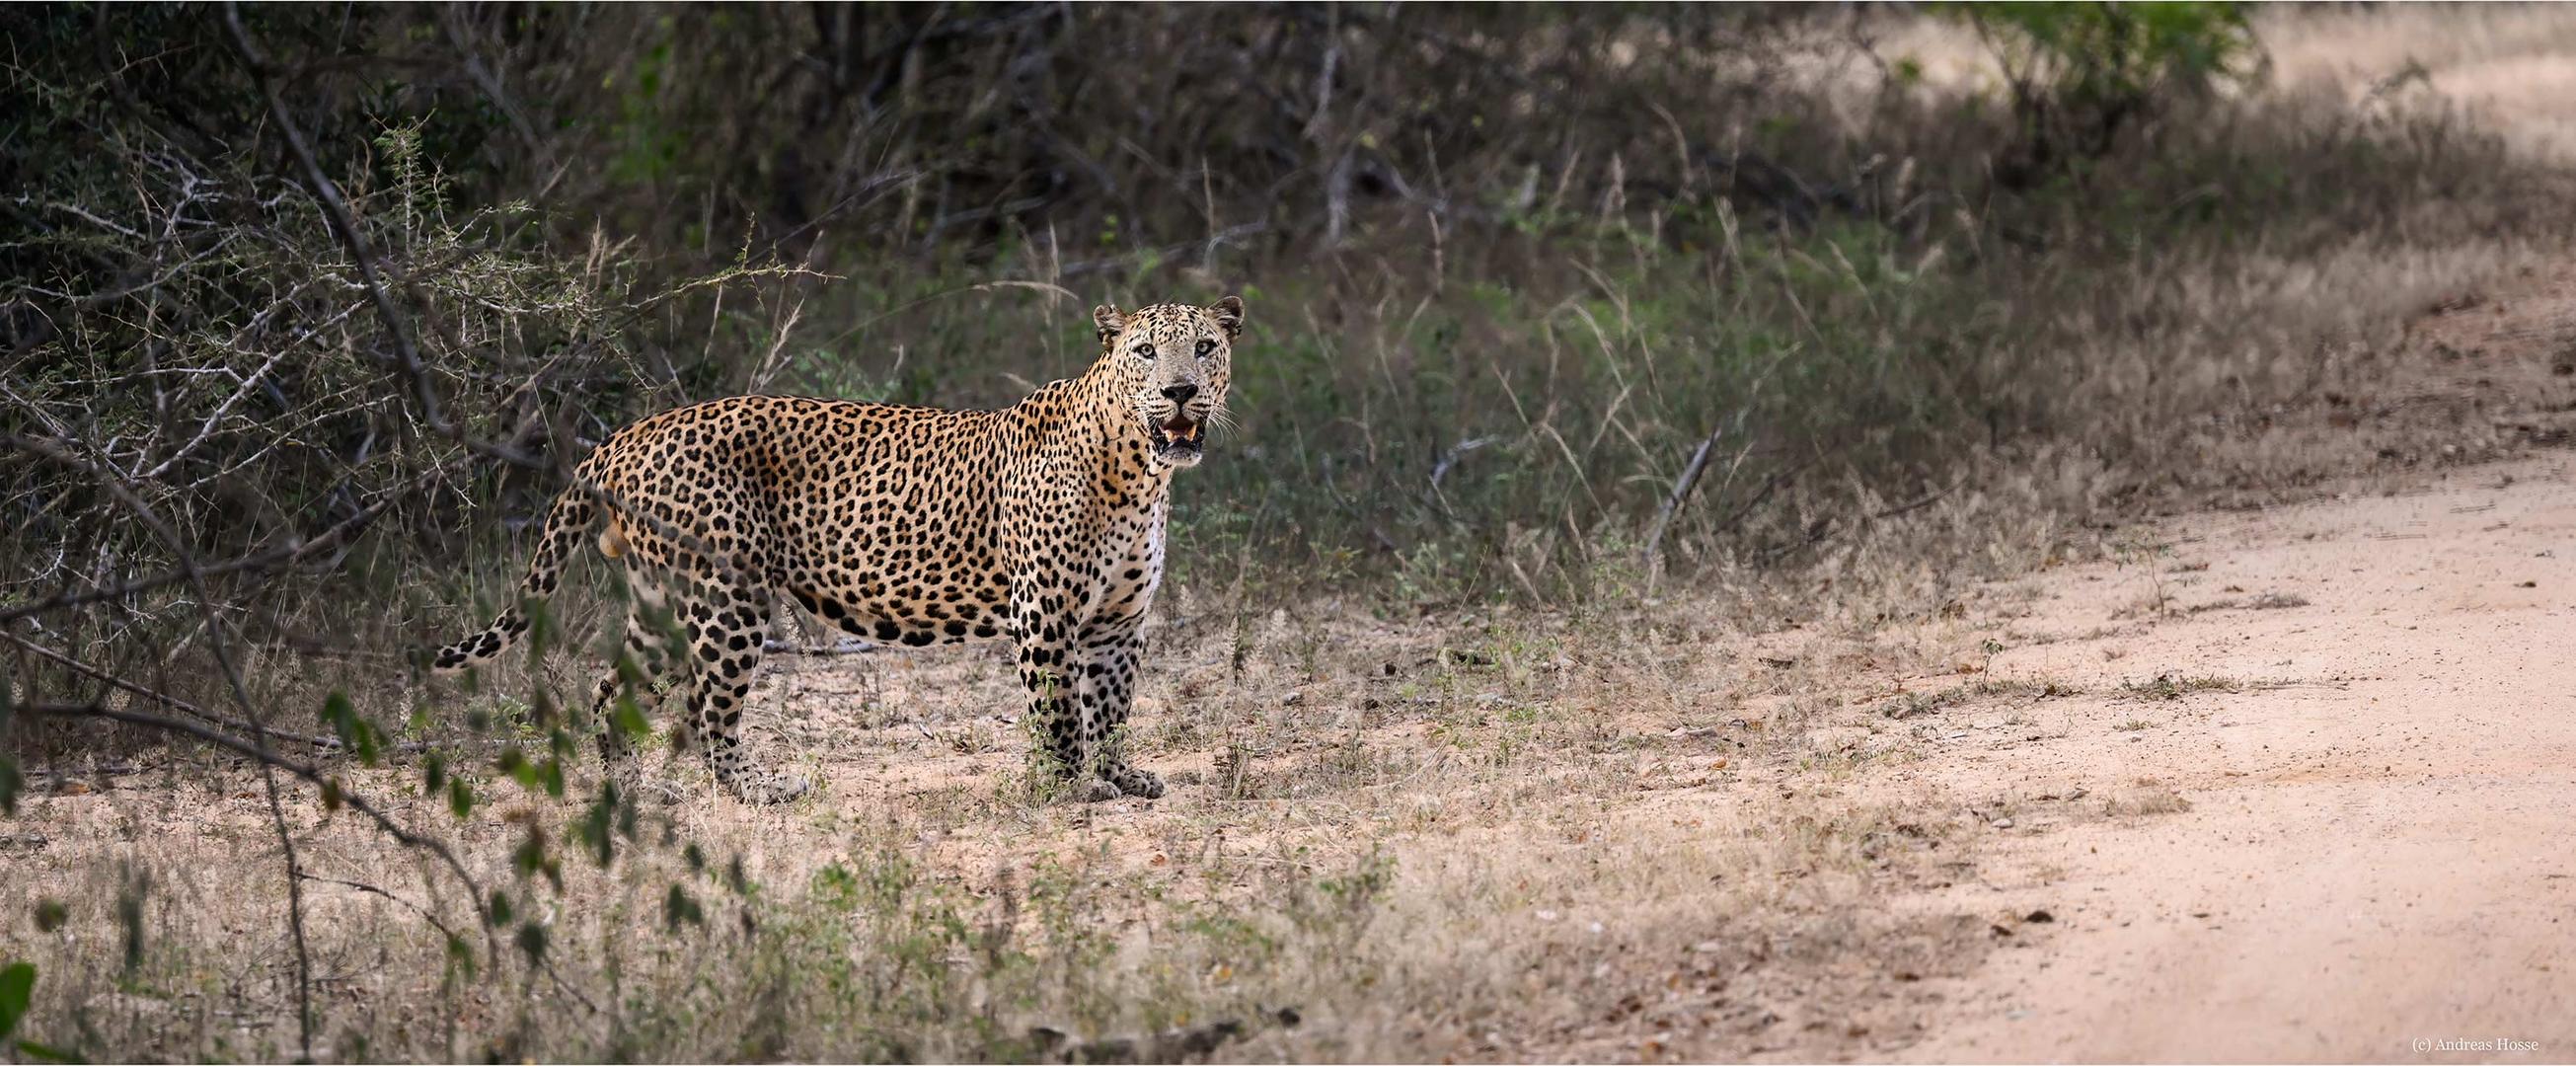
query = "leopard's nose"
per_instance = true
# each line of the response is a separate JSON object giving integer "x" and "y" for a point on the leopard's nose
{"x": 1180, "y": 393}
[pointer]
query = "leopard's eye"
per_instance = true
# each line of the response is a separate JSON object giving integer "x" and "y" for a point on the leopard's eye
{"x": 1206, "y": 346}
{"x": 1144, "y": 351}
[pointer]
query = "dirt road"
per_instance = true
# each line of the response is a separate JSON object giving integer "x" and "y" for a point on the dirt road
{"x": 2317, "y": 800}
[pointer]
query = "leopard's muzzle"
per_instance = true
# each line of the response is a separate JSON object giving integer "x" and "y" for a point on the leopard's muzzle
{"x": 1179, "y": 438}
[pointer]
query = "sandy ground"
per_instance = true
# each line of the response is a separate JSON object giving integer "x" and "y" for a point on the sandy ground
{"x": 2367, "y": 706}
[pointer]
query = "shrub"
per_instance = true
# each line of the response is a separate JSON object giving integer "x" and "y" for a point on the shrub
{"x": 2080, "y": 74}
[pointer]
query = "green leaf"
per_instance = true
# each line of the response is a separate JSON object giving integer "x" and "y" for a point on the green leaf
{"x": 50, "y": 915}
{"x": 630, "y": 674}
{"x": 628, "y": 719}
{"x": 532, "y": 857}
{"x": 598, "y": 826}
{"x": 532, "y": 939}
{"x": 541, "y": 627}
{"x": 460, "y": 796}
{"x": 356, "y": 734}
{"x": 17, "y": 985}
{"x": 544, "y": 777}
{"x": 34, "y": 1050}
{"x": 461, "y": 955}
{"x": 677, "y": 908}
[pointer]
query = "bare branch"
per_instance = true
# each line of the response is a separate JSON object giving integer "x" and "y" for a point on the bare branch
{"x": 282, "y": 555}
{"x": 1682, "y": 487}
{"x": 183, "y": 706}
{"x": 343, "y": 225}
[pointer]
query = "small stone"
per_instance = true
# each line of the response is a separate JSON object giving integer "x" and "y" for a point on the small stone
{"x": 2001, "y": 823}
{"x": 1292, "y": 699}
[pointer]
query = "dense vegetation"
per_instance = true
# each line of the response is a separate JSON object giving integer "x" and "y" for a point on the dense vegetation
{"x": 1510, "y": 268}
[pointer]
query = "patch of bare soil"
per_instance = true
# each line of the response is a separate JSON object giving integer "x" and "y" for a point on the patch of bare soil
{"x": 2479, "y": 375}
{"x": 2310, "y": 801}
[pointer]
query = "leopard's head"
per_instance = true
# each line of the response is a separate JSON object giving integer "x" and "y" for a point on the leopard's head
{"x": 1171, "y": 363}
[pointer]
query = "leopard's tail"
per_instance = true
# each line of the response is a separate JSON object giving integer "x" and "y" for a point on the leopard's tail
{"x": 571, "y": 517}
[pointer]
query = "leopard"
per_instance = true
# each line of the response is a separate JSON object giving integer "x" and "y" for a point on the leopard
{"x": 1044, "y": 524}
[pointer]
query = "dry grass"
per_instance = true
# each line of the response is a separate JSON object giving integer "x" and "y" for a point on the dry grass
{"x": 1497, "y": 837}
{"x": 2146, "y": 800}
{"x": 2510, "y": 63}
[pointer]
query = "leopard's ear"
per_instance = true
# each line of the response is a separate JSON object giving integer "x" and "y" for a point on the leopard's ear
{"x": 1229, "y": 315}
{"x": 1108, "y": 321}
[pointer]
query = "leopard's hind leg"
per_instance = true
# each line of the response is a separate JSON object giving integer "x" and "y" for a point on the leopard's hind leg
{"x": 645, "y": 660}
{"x": 727, "y": 622}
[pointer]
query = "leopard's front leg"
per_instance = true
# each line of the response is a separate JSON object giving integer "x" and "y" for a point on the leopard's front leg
{"x": 1046, "y": 647}
{"x": 1103, "y": 693}
{"x": 1054, "y": 670}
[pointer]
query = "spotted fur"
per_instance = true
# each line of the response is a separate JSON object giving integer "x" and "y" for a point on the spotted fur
{"x": 1041, "y": 523}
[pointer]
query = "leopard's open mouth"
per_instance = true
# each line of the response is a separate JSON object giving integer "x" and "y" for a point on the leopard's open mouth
{"x": 1179, "y": 439}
